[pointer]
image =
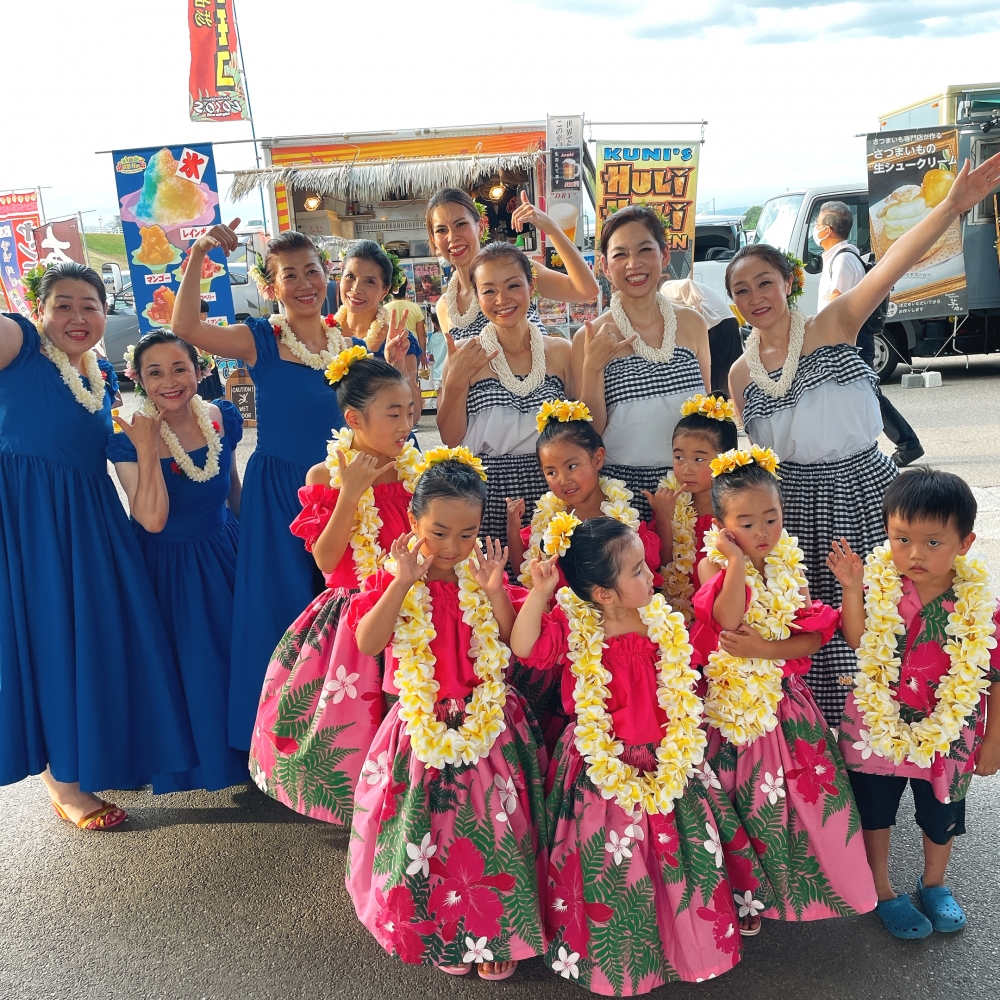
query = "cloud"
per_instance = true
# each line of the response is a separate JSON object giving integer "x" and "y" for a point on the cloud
{"x": 784, "y": 21}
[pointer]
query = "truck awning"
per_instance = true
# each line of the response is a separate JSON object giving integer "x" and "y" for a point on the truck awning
{"x": 377, "y": 180}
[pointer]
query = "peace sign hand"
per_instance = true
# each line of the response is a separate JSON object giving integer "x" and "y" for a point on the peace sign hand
{"x": 143, "y": 431}
{"x": 397, "y": 342}
{"x": 358, "y": 475}
{"x": 599, "y": 349}
{"x": 409, "y": 568}
{"x": 219, "y": 236}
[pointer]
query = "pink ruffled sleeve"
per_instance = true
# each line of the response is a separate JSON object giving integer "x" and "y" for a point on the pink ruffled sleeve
{"x": 817, "y": 617}
{"x": 318, "y": 503}
{"x": 651, "y": 546}
{"x": 371, "y": 590}
{"x": 552, "y": 644}
{"x": 705, "y": 629}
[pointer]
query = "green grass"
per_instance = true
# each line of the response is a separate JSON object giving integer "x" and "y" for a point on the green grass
{"x": 106, "y": 247}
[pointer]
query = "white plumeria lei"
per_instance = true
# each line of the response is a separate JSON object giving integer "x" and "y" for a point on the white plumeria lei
{"x": 335, "y": 343}
{"x": 92, "y": 399}
{"x": 431, "y": 740}
{"x": 743, "y": 694}
{"x": 676, "y": 574}
{"x": 371, "y": 334}
{"x": 971, "y": 632}
{"x": 368, "y": 554}
{"x": 615, "y": 504}
{"x": 682, "y": 749}
{"x": 203, "y": 416}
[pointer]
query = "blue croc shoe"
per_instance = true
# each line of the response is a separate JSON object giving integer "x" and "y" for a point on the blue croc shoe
{"x": 941, "y": 908}
{"x": 902, "y": 919}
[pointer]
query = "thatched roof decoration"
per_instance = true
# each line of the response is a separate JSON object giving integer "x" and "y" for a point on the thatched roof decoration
{"x": 376, "y": 180}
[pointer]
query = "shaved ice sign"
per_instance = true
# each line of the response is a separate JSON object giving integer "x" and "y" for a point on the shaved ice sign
{"x": 169, "y": 197}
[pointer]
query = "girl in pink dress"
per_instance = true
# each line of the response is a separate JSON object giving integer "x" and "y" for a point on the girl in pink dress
{"x": 706, "y": 429}
{"x": 640, "y": 834}
{"x": 321, "y": 703}
{"x": 768, "y": 744}
{"x": 447, "y": 841}
{"x": 571, "y": 454}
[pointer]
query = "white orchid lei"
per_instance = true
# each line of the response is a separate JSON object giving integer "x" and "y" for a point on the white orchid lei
{"x": 203, "y": 417}
{"x": 971, "y": 632}
{"x": 92, "y": 399}
{"x": 682, "y": 748}
{"x": 615, "y": 504}
{"x": 676, "y": 574}
{"x": 368, "y": 554}
{"x": 743, "y": 694}
{"x": 431, "y": 740}
{"x": 335, "y": 341}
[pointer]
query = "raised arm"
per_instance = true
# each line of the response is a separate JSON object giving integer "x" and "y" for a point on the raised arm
{"x": 730, "y": 605}
{"x": 142, "y": 480}
{"x": 226, "y": 341}
{"x": 11, "y": 339}
{"x": 842, "y": 319}
{"x": 528, "y": 626}
{"x": 578, "y": 284}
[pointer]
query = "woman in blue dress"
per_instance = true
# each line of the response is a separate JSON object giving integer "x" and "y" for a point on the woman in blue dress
{"x": 286, "y": 355}
{"x": 90, "y": 696}
{"x": 175, "y": 462}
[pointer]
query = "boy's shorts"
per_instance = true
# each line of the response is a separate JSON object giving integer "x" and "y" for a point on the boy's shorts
{"x": 878, "y": 797}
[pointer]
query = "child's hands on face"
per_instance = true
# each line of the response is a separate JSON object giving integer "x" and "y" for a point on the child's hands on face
{"x": 745, "y": 642}
{"x": 727, "y": 545}
{"x": 515, "y": 511}
{"x": 409, "y": 569}
{"x": 544, "y": 575}
{"x": 846, "y": 565}
{"x": 487, "y": 566}
{"x": 663, "y": 502}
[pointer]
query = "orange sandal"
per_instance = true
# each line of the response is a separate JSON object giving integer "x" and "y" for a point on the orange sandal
{"x": 107, "y": 817}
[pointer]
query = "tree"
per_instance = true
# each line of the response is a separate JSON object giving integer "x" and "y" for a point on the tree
{"x": 751, "y": 216}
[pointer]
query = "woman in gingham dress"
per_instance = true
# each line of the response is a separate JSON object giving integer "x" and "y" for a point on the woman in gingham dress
{"x": 493, "y": 384}
{"x": 455, "y": 229}
{"x": 638, "y": 362}
{"x": 802, "y": 390}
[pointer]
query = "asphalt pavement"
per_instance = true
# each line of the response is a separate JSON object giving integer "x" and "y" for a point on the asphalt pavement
{"x": 230, "y": 896}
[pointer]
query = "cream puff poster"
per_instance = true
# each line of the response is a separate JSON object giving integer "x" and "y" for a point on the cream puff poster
{"x": 169, "y": 197}
{"x": 910, "y": 172}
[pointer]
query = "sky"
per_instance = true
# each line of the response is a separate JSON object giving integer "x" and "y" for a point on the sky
{"x": 785, "y": 86}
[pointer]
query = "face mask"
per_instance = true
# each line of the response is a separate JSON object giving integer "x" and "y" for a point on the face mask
{"x": 815, "y": 235}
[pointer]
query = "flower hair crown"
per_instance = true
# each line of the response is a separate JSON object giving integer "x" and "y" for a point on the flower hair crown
{"x": 205, "y": 364}
{"x": 738, "y": 457}
{"x": 563, "y": 411}
{"x": 341, "y": 364}
{"x": 559, "y": 531}
{"x": 257, "y": 272}
{"x": 435, "y": 456}
{"x": 32, "y": 280}
{"x": 798, "y": 277}
{"x": 484, "y": 215}
{"x": 714, "y": 407}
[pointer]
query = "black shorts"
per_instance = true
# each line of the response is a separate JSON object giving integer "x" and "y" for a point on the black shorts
{"x": 878, "y": 797}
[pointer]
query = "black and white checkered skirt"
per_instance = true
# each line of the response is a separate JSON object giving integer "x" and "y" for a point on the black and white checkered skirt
{"x": 824, "y": 501}
{"x": 510, "y": 476}
{"x": 638, "y": 478}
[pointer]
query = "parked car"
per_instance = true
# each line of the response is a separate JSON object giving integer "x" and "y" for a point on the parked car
{"x": 122, "y": 328}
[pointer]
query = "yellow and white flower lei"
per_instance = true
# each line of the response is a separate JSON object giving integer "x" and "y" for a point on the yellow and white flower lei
{"x": 743, "y": 694}
{"x": 369, "y": 556}
{"x": 615, "y": 504}
{"x": 682, "y": 748}
{"x": 371, "y": 334}
{"x": 92, "y": 399}
{"x": 430, "y": 738}
{"x": 676, "y": 574}
{"x": 203, "y": 417}
{"x": 970, "y": 629}
{"x": 335, "y": 343}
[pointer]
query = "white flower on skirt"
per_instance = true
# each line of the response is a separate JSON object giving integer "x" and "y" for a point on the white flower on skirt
{"x": 508, "y": 798}
{"x": 865, "y": 745}
{"x": 708, "y": 777}
{"x": 773, "y": 785}
{"x": 634, "y": 830}
{"x": 714, "y": 844}
{"x": 478, "y": 952}
{"x": 619, "y": 849}
{"x": 376, "y": 772}
{"x": 747, "y": 905}
{"x": 342, "y": 684}
{"x": 566, "y": 964}
{"x": 420, "y": 857}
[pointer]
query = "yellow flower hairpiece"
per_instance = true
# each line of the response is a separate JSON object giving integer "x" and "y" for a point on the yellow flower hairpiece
{"x": 558, "y": 532}
{"x": 435, "y": 456}
{"x": 714, "y": 407}
{"x": 562, "y": 410}
{"x": 341, "y": 364}
{"x": 737, "y": 457}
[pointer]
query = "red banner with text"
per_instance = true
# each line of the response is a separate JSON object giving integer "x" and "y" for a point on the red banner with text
{"x": 215, "y": 90}
{"x": 18, "y": 252}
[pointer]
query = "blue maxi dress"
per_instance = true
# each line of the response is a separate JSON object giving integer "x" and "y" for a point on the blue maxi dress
{"x": 88, "y": 683}
{"x": 275, "y": 576}
{"x": 192, "y": 567}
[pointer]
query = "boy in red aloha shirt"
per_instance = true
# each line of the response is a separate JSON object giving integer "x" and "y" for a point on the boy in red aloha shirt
{"x": 919, "y": 711}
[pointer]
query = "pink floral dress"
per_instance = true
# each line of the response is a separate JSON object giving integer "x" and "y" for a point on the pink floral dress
{"x": 791, "y": 790}
{"x": 636, "y": 900}
{"x": 447, "y": 863}
{"x": 924, "y": 663}
{"x": 321, "y": 703}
